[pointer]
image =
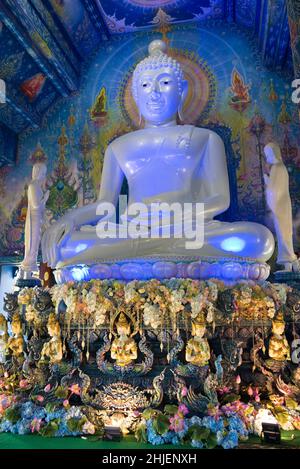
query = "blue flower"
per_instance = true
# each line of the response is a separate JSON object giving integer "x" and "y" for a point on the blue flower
{"x": 215, "y": 425}
{"x": 236, "y": 423}
{"x": 56, "y": 414}
{"x": 63, "y": 430}
{"x": 197, "y": 444}
{"x": 23, "y": 426}
{"x": 175, "y": 440}
{"x": 231, "y": 440}
{"x": 6, "y": 426}
{"x": 195, "y": 420}
{"x": 168, "y": 436}
{"x": 30, "y": 411}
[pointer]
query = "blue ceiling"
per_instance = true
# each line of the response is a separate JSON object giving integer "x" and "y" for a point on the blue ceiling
{"x": 43, "y": 43}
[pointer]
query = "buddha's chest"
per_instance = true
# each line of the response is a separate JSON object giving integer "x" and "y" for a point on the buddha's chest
{"x": 159, "y": 155}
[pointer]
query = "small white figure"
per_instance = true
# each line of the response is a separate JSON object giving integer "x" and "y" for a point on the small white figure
{"x": 34, "y": 220}
{"x": 279, "y": 202}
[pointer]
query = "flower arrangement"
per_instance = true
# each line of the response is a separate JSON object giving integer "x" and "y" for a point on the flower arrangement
{"x": 162, "y": 302}
{"x": 222, "y": 426}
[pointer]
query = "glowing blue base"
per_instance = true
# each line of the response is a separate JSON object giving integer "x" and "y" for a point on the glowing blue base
{"x": 227, "y": 270}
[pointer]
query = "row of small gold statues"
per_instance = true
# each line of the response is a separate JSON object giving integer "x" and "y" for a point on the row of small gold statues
{"x": 124, "y": 347}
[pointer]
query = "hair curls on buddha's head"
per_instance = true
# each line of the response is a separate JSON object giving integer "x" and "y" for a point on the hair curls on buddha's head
{"x": 157, "y": 59}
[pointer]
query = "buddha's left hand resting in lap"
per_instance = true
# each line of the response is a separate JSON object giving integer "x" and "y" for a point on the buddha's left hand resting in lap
{"x": 163, "y": 162}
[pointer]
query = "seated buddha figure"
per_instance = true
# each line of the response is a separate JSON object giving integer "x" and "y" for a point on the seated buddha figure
{"x": 164, "y": 163}
{"x": 278, "y": 346}
{"x": 53, "y": 350}
{"x": 15, "y": 344}
{"x": 123, "y": 348}
{"x": 197, "y": 350}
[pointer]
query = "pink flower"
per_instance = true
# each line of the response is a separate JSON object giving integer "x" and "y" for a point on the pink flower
{"x": 238, "y": 379}
{"x": 39, "y": 398}
{"x": 23, "y": 383}
{"x": 176, "y": 423}
{"x": 66, "y": 403}
{"x": 75, "y": 389}
{"x": 224, "y": 390}
{"x": 182, "y": 409}
{"x": 35, "y": 425}
{"x": 5, "y": 402}
{"x": 250, "y": 391}
{"x": 47, "y": 388}
{"x": 184, "y": 391}
{"x": 89, "y": 428}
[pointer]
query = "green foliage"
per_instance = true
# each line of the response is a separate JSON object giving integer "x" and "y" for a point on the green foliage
{"x": 61, "y": 392}
{"x": 228, "y": 398}
{"x": 161, "y": 424}
{"x": 50, "y": 407}
{"x": 149, "y": 413}
{"x": 75, "y": 424}
{"x": 212, "y": 441}
{"x": 12, "y": 414}
{"x": 195, "y": 432}
{"x": 50, "y": 428}
{"x": 141, "y": 433}
{"x": 171, "y": 409}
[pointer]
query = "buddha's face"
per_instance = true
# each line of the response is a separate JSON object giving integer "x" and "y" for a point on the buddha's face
{"x": 199, "y": 330}
{"x": 278, "y": 328}
{"x": 123, "y": 329}
{"x": 158, "y": 95}
{"x": 16, "y": 327}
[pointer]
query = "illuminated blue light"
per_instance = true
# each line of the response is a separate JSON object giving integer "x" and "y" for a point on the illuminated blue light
{"x": 233, "y": 244}
{"x": 81, "y": 247}
{"x": 79, "y": 273}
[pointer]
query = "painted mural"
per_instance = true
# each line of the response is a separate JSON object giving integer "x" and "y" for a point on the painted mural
{"x": 230, "y": 91}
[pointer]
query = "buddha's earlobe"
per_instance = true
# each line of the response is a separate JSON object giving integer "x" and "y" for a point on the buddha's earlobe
{"x": 182, "y": 100}
{"x": 140, "y": 119}
{"x": 179, "y": 112}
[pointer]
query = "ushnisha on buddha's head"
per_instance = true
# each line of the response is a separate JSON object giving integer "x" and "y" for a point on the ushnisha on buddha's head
{"x": 122, "y": 325}
{"x": 278, "y": 324}
{"x": 158, "y": 86}
{"x": 198, "y": 326}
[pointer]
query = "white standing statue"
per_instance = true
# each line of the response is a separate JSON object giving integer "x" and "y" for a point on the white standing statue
{"x": 279, "y": 202}
{"x": 163, "y": 163}
{"x": 34, "y": 220}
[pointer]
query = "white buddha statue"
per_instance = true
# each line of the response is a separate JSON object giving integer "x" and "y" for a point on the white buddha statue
{"x": 163, "y": 163}
{"x": 280, "y": 205}
{"x": 37, "y": 200}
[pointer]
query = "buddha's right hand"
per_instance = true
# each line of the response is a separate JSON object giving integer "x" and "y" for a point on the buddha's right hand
{"x": 54, "y": 237}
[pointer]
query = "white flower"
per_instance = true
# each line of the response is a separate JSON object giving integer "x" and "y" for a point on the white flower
{"x": 151, "y": 316}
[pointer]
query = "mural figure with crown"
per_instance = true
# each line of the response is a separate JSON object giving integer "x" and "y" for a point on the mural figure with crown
{"x": 163, "y": 163}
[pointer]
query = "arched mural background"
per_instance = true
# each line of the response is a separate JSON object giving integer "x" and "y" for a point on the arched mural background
{"x": 230, "y": 89}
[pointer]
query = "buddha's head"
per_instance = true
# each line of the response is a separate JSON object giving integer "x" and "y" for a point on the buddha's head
{"x": 198, "y": 327}
{"x": 158, "y": 86}
{"x": 278, "y": 324}
{"x": 53, "y": 325}
{"x": 122, "y": 325}
{"x": 273, "y": 153}
{"x": 16, "y": 324}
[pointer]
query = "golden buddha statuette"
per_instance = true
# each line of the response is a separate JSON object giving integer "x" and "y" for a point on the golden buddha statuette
{"x": 278, "y": 347}
{"x": 15, "y": 344}
{"x": 53, "y": 350}
{"x": 3, "y": 338}
{"x": 123, "y": 348}
{"x": 197, "y": 350}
